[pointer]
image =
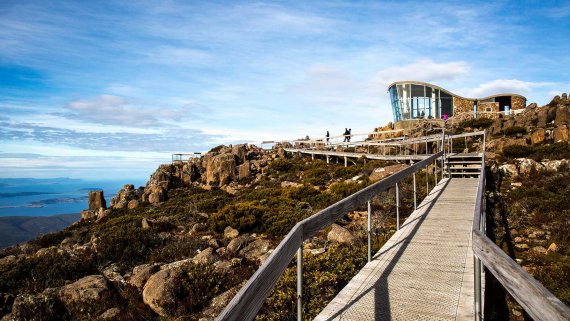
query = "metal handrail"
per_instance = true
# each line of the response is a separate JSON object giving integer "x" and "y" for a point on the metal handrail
{"x": 247, "y": 302}
{"x": 535, "y": 299}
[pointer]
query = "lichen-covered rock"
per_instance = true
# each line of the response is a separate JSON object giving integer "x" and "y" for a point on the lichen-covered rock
{"x": 207, "y": 256}
{"x": 141, "y": 274}
{"x": 161, "y": 291}
{"x": 239, "y": 243}
{"x": 90, "y": 295}
{"x": 110, "y": 315}
{"x": 230, "y": 233}
{"x": 340, "y": 234}
{"x": 124, "y": 196}
{"x": 256, "y": 249}
{"x": 35, "y": 307}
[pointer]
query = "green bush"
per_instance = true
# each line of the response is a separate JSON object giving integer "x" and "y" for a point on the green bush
{"x": 324, "y": 276}
{"x": 245, "y": 217}
{"x": 517, "y": 151}
{"x": 317, "y": 176}
{"x": 476, "y": 123}
{"x": 52, "y": 269}
{"x": 128, "y": 245}
{"x": 281, "y": 165}
{"x": 513, "y": 130}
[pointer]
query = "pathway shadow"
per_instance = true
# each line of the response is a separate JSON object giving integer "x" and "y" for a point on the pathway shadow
{"x": 382, "y": 309}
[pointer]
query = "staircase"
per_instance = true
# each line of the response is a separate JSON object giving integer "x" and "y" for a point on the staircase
{"x": 464, "y": 165}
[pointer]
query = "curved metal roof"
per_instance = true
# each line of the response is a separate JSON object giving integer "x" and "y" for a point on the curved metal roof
{"x": 449, "y": 92}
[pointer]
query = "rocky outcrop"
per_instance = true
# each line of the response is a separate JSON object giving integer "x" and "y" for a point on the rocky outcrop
{"x": 96, "y": 200}
{"x": 124, "y": 196}
{"x": 161, "y": 291}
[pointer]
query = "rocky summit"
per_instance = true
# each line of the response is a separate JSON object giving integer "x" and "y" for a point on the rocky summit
{"x": 180, "y": 247}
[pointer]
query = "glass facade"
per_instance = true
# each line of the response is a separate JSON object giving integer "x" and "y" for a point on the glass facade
{"x": 416, "y": 101}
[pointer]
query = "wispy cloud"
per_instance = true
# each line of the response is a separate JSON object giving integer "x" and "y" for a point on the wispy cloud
{"x": 167, "y": 141}
{"x": 116, "y": 110}
{"x": 507, "y": 86}
{"x": 421, "y": 70}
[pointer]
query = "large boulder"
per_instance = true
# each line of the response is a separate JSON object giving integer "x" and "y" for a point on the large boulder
{"x": 206, "y": 257}
{"x": 561, "y": 133}
{"x": 162, "y": 290}
{"x": 88, "y": 296}
{"x": 538, "y": 136}
{"x": 527, "y": 166}
{"x": 220, "y": 169}
{"x": 96, "y": 200}
{"x": 35, "y": 307}
{"x": 239, "y": 243}
{"x": 256, "y": 249}
{"x": 341, "y": 235}
{"x": 561, "y": 116}
{"x": 141, "y": 274}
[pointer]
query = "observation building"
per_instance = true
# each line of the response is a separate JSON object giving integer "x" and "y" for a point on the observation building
{"x": 419, "y": 100}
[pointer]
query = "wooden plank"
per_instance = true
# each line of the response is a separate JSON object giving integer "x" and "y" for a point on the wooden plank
{"x": 535, "y": 299}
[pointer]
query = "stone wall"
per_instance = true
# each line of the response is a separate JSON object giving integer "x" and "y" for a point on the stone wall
{"x": 488, "y": 110}
{"x": 518, "y": 102}
{"x": 462, "y": 105}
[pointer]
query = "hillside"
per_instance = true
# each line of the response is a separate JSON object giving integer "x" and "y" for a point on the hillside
{"x": 180, "y": 247}
{"x": 18, "y": 229}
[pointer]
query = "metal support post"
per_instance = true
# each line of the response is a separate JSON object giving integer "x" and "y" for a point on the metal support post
{"x": 477, "y": 307}
{"x": 369, "y": 230}
{"x": 415, "y": 197}
{"x": 345, "y": 161}
{"x": 328, "y": 159}
{"x": 312, "y": 156}
{"x": 435, "y": 171}
{"x": 397, "y": 208}
{"x": 300, "y": 283}
{"x": 427, "y": 179}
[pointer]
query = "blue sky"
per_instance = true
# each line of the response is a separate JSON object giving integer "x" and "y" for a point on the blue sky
{"x": 94, "y": 89}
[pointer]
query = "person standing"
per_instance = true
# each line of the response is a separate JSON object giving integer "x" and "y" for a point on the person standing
{"x": 349, "y": 133}
{"x": 345, "y": 135}
{"x": 328, "y": 136}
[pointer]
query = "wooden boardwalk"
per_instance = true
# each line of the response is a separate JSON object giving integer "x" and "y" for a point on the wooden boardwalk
{"x": 425, "y": 271}
{"x": 330, "y": 153}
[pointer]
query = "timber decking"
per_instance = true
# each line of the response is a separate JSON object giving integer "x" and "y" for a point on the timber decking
{"x": 425, "y": 271}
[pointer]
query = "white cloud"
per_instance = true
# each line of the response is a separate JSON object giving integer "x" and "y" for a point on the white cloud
{"x": 506, "y": 86}
{"x": 117, "y": 110}
{"x": 420, "y": 70}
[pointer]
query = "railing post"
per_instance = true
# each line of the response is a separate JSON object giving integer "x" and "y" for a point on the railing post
{"x": 427, "y": 179}
{"x": 300, "y": 283}
{"x": 397, "y": 208}
{"x": 415, "y": 197}
{"x": 369, "y": 229}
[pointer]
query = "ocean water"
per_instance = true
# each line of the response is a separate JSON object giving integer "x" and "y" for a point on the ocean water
{"x": 45, "y": 197}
